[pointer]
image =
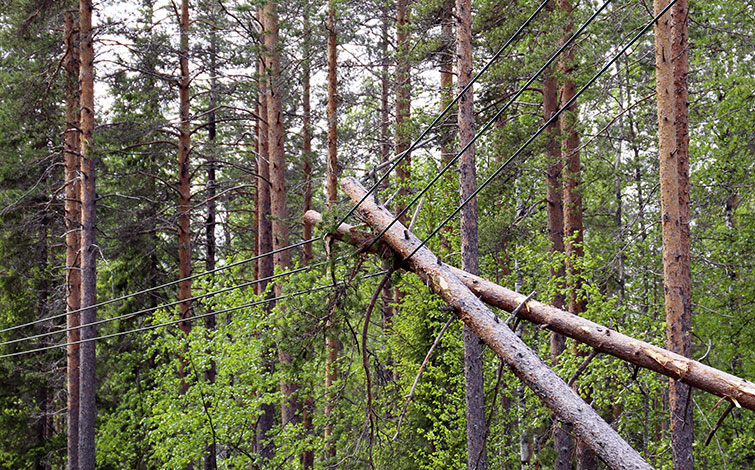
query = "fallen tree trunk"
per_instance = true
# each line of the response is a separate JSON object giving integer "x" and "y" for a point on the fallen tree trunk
{"x": 603, "y": 339}
{"x": 524, "y": 363}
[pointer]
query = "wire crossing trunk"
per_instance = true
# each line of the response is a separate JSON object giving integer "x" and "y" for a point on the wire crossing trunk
{"x": 87, "y": 351}
{"x": 264, "y": 444}
{"x": 71, "y": 150}
{"x": 473, "y": 377}
{"x": 278, "y": 208}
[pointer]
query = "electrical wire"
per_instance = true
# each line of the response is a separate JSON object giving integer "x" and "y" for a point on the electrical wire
{"x": 397, "y": 162}
{"x": 172, "y": 304}
{"x": 543, "y": 127}
{"x": 490, "y": 122}
{"x": 400, "y": 157}
{"x": 182, "y": 320}
{"x": 167, "y": 284}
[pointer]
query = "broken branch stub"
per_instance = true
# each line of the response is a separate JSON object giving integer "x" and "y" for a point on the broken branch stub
{"x": 526, "y": 365}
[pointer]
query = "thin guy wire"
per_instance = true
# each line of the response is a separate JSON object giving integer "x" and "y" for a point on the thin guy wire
{"x": 542, "y": 128}
{"x": 487, "y": 125}
{"x": 445, "y": 111}
{"x": 182, "y": 320}
{"x": 167, "y": 284}
{"x": 172, "y": 304}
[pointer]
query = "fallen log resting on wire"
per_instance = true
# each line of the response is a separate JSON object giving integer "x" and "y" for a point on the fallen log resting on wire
{"x": 605, "y": 340}
{"x": 523, "y": 362}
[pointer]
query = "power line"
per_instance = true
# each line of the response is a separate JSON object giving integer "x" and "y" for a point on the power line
{"x": 397, "y": 161}
{"x": 183, "y": 320}
{"x": 487, "y": 125}
{"x": 400, "y": 157}
{"x": 167, "y": 284}
{"x": 172, "y": 304}
{"x": 543, "y": 127}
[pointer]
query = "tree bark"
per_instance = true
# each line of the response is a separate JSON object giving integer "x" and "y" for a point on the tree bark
{"x": 278, "y": 207}
{"x": 572, "y": 201}
{"x": 403, "y": 101}
{"x": 184, "y": 184}
{"x": 605, "y": 340}
{"x": 473, "y": 377}
{"x": 331, "y": 340}
{"x": 561, "y": 440}
{"x": 71, "y": 149}
{"x": 87, "y": 377}
{"x": 210, "y": 460}
{"x": 671, "y": 91}
{"x": 308, "y": 455}
{"x": 523, "y": 362}
{"x": 265, "y": 239}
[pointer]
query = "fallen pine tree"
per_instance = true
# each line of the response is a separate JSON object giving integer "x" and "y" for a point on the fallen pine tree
{"x": 566, "y": 404}
{"x": 741, "y": 392}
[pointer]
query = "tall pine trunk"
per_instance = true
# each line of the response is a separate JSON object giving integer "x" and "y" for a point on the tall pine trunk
{"x": 308, "y": 454}
{"x": 73, "y": 234}
{"x": 473, "y": 376}
{"x": 210, "y": 460}
{"x": 403, "y": 100}
{"x": 265, "y": 239}
{"x": 572, "y": 200}
{"x": 561, "y": 439}
{"x": 87, "y": 376}
{"x": 331, "y": 186}
{"x": 184, "y": 184}
{"x": 673, "y": 147}
{"x": 278, "y": 207}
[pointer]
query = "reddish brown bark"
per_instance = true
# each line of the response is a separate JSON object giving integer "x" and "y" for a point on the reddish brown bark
{"x": 523, "y": 362}
{"x": 278, "y": 207}
{"x": 671, "y": 91}
{"x": 572, "y": 200}
{"x": 88, "y": 257}
{"x": 561, "y": 439}
{"x": 264, "y": 447}
{"x": 331, "y": 341}
{"x": 603, "y": 339}
{"x": 72, "y": 223}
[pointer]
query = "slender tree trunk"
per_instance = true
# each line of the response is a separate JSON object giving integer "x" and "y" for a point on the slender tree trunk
{"x": 446, "y": 97}
{"x": 331, "y": 340}
{"x": 87, "y": 384}
{"x": 561, "y": 440}
{"x": 673, "y": 147}
{"x": 184, "y": 184}
{"x": 403, "y": 100}
{"x": 572, "y": 200}
{"x": 265, "y": 236}
{"x": 474, "y": 389}
{"x": 210, "y": 460}
{"x": 308, "y": 455}
{"x": 278, "y": 208}
{"x": 73, "y": 234}
{"x": 473, "y": 376}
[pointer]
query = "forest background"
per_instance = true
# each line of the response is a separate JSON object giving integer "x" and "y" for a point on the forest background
{"x": 208, "y": 393}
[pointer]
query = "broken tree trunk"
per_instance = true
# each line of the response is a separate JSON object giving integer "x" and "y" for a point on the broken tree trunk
{"x": 603, "y": 339}
{"x": 525, "y": 364}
